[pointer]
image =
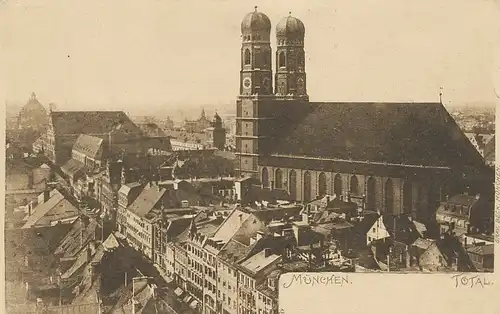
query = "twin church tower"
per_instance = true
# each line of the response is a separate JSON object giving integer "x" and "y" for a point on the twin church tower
{"x": 256, "y": 68}
{"x": 265, "y": 109}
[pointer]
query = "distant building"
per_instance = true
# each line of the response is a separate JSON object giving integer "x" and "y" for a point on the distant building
{"x": 459, "y": 213}
{"x": 114, "y": 127}
{"x": 33, "y": 115}
{"x": 26, "y": 174}
{"x": 216, "y": 134}
{"x": 197, "y": 126}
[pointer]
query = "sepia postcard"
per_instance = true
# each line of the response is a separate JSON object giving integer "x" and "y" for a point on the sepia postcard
{"x": 236, "y": 157}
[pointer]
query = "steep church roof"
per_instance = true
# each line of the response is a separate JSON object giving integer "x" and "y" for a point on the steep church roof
{"x": 92, "y": 122}
{"x": 398, "y": 133}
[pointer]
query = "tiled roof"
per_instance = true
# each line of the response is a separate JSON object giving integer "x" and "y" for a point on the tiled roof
{"x": 58, "y": 208}
{"x": 72, "y": 167}
{"x": 80, "y": 233}
{"x": 234, "y": 251}
{"x": 147, "y": 200}
{"x": 259, "y": 261}
{"x": 231, "y": 225}
{"x": 400, "y": 133}
{"x": 91, "y": 122}
{"x": 88, "y": 145}
{"x": 423, "y": 243}
{"x": 461, "y": 199}
{"x": 160, "y": 143}
{"x": 487, "y": 249}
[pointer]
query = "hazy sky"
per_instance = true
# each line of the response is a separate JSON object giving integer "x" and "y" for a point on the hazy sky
{"x": 139, "y": 55}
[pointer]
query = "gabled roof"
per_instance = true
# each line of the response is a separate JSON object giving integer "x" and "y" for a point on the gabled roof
{"x": 81, "y": 233}
{"x": 231, "y": 225}
{"x": 54, "y": 209}
{"x": 147, "y": 200}
{"x": 72, "y": 167}
{"x": 88, "y": 145}
{"x": 259, "y": 261}
{"x": 400, "y": 227}
{"x": 482, "y": 250}
{"x": 399, "y": 133}
{"x": 91, "y": 122}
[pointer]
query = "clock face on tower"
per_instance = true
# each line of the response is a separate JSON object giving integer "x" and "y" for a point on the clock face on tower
{"x": 247, "y": 82}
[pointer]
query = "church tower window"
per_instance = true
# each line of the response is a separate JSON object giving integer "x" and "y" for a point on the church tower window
{"x": 247, "y": 57}
{"x": 281, "y": 62}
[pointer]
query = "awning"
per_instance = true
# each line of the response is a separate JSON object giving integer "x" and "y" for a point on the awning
{"x": 178, "y": 292}
{"x": 193, "y": 304}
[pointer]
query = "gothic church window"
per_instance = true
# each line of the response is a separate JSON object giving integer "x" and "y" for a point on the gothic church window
{"x": 279, "y": 179}
{"x": 307, "y": 186}
{"x": 322, "y": 184}
{"x": 370, "y": 197}
{"x": 354, "y": 185}
{"x": 293, "y": 184}
{"x": 265, "y": 177}
{"x": 337, "y": 185}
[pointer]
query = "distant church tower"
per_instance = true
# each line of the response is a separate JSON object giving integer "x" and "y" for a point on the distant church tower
{"x": 219, "y": 133}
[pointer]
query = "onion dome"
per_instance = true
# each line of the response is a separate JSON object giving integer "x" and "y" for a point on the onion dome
{"x": 290, "y": 28}
{"x": 255, "y": 22}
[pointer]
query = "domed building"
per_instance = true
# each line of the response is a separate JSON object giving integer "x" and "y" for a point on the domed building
{"x": 33, "y": 115}
{"x": 400, "y": 158}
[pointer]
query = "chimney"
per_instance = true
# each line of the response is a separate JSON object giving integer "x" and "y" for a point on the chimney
{"x": 89, "y": 254}
{"x": 259, "y": 235}
{"x": 305, "y": 218}
{"x": 153, "y": 288}
{"x": 46, "y": 195}
{"x": 267, "y": 252}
